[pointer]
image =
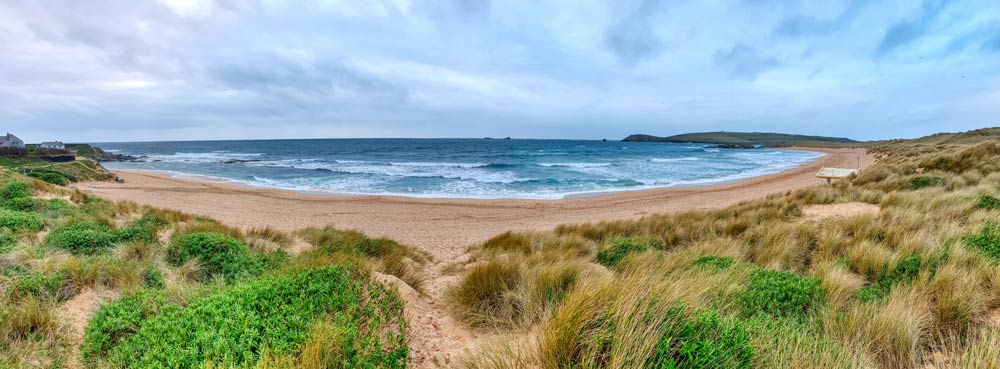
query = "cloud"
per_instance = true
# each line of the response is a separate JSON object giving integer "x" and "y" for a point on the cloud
{"x": 993, "y": 43}
{"x": 905, "y": 32}
{"x": 744, "y": 62}
{"x": 801, "y": 25}
{"x": 189, "y": 69}
{"x": 633, "y": 39}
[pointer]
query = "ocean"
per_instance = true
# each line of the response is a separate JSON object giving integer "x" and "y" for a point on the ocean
{"x": 455, "y": 168}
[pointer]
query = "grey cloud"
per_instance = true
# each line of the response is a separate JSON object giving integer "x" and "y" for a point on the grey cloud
{"x": 905, "y": 32}
{"x": 633, "y": 39}
{"x": 744, "y": 62}
{"x": 800, "y": 25}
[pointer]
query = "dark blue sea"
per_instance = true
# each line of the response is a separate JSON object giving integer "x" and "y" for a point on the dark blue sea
{"x": 466, "y": 168}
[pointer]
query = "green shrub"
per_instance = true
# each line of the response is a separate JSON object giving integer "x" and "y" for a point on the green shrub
{"x": 13, "y": 190}
{"x": 142, "y": 230}
{"x": 217, "y": 253}
{"x": 704, "y": 341}
{"x": 51, "y": 176}
{"x": 780, "y": 293}
{"x": 42, "y": 286}
{"x": 616, "y": 249}
{"x": 7, "y": 240}
{"x": 917, "y": 183}
{"x": 20, "y": 220}
{"x": 117, "y": 320}
{"x": 271, "y": 315}
{"x": 82, "y": 237}
{"x": 714, "y": 262}
{"x": 988, "y": 202}
{"x": 24, "y": 204}
{"x": 152, "y": 278}
{"x": 986, "y": 242}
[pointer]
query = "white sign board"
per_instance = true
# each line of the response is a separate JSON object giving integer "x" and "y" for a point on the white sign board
{"x": 836, "y": 172}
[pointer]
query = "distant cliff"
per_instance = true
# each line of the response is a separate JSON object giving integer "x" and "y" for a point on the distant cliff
{"x": 741, "y": 139}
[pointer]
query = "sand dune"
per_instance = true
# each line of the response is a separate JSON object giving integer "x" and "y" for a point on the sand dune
{"x": 443, "y": 227}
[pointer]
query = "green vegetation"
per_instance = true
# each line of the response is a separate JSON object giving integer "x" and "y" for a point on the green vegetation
{"x": 987, "y": 241}
{"x": 988, "y": 202}
{"x": 82, "y": 237}
{"x": 780, "y": 293}
{"x": 917, "y": 183}
{"x": 744, "y": 139}
{"x": 316, "y": 309}
{"x": 217, "y": 254}
{"x": 756, "y": 285}
{"x": 275, "y": 315}
{"x": 617, "y": 248}
{"x": 716, "y": 262}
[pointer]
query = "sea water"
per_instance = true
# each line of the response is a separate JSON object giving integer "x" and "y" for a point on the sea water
{"x": 461, "y": 168}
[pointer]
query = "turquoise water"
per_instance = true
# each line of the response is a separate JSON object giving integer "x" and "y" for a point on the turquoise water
{"x": 466, "y": 168}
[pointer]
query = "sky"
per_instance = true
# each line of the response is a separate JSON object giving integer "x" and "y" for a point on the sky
{"x": 135, "y": 70}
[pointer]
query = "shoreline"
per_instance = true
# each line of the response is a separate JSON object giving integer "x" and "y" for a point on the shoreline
{"x": 445, "y": 226}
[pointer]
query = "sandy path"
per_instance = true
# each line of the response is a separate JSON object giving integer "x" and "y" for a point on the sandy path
{"x": 443, "y": 227}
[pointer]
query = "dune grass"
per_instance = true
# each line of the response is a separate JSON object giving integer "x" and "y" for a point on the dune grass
{"x": 857, "y": 291}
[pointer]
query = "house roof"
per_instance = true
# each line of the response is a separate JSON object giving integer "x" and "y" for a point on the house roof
{"x": 9, "y": 137}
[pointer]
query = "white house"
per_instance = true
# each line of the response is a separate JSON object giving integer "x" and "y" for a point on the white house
{"x": 53, "y": 145}
{"x": 11, "y": 141}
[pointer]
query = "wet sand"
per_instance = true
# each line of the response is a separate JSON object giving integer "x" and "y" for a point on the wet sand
{"x": 443, "y": 227}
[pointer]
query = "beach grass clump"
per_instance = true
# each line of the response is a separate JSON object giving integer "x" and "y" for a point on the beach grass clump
{"x": 631, "y": 323}
{"x": 509, "y": 241}
{"x": 82, "y": 237}
{"x": 779, "y": 293}
{"x": 217, "y": 254}
{"x": 986, "y": 241}
{"x": 490, "y": 294}
{"x": 275, "y": 315}
{"x": 616, "y": 249}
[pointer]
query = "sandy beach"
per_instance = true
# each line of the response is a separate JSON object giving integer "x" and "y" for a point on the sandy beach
{"x": 443, "y": 227}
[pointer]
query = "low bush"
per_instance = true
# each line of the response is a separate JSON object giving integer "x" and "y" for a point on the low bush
{"x": 7, "y": 240}
{"x": 714, "y": 262}
{"x": 13, "y": 190}
{"x": 218, "y": 254}
{"x": 117, "y": 320}
{"x": 702, "y": 341}
{"x": 20, "y": 220}
{"x": 272, "y": 315}
{"x": 780, "y": 293}
{"x": 152, "y": 278}
{"x": 142, "y": 230}
{"x": 51, "y": 176}
{"x": 880, "y": 284}
{"x": 987, "y": 241}
{"x": 616, "y": 249}
{"x": 917, "y": 183}
{"x": 44, "y": 287}
{"x": 988, "y": 202}
{"x": 25, "y": 204}
{"x": 82, "y": 237}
